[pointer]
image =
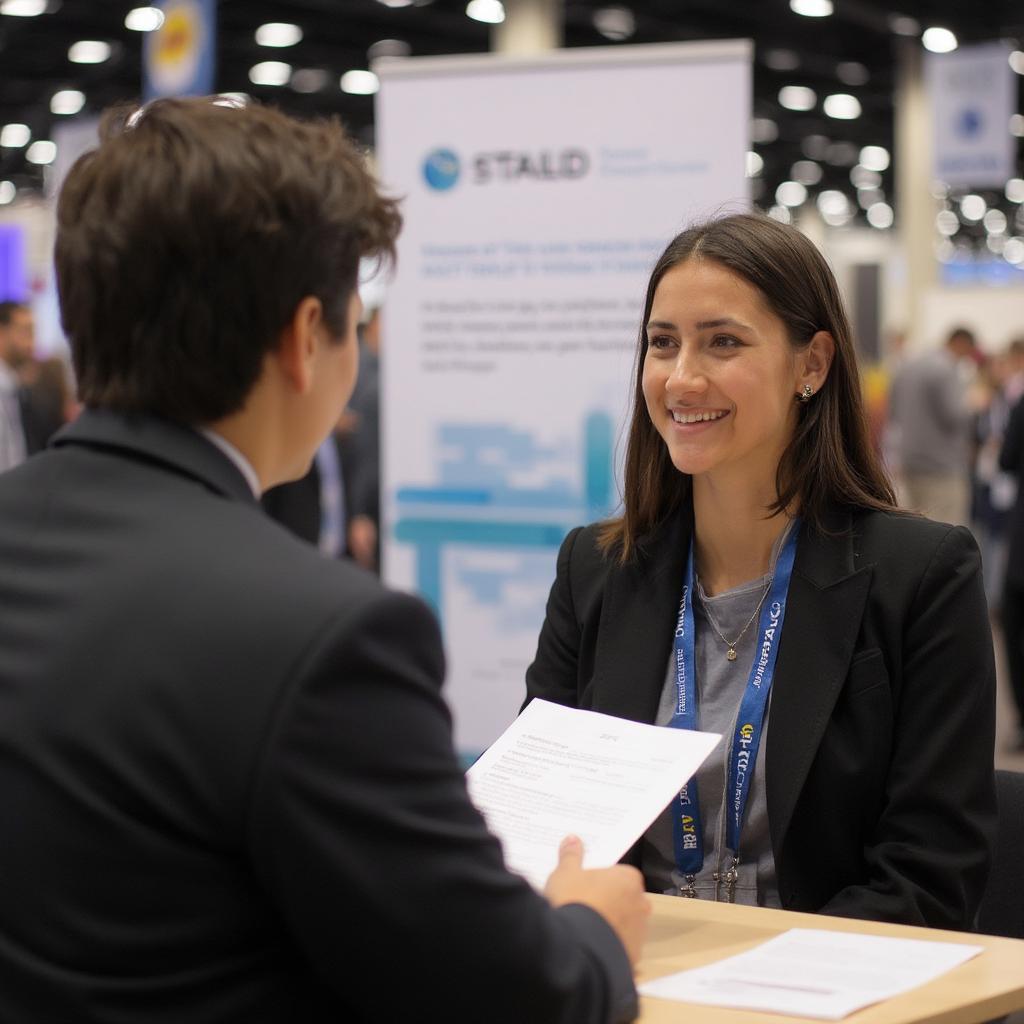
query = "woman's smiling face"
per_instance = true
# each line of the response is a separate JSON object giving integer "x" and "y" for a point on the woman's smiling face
{"x": 720, "y": 375}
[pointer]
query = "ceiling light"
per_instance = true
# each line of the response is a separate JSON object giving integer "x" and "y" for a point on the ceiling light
{"x": 939, "y": 40}
{"x": 833, "y": 201}
{"x": 842, "y": 106}
{"x": 89, "y": 51}
{"x": 797, "y": 97}
{"x": 1014, "y": 188}
{"x": 386, "y": 48}
{"x": 874, "y": 158}
{"x": 995, "y": 222}
{"x": 278, "y": 33}
{"x": 880, "y": 216}
{"x": 972, "y": 207}
{"x": 995, "y": 243}
{"x": 781, "y": 60}
{"x": 359, "y": 83}
{"x": 864, "y": 177}
{"x": 310, "y": 79}
{"x": 42, "y": 151}
{"x": 1017, "y": 61}
{"x": 945, "y": 250}
{"x": 842, "y": 154}
{"x": 790, "y": 193}
{"x": 492, "y": 12}
{"x": 755, "y": 164}
{"x": 144, "y": 19}
{"x": 7, "y": 192}
{"x": 947, "y": 222}
{"x": 14, "y": 136}
{"x": 270, "y": 72}
{"x": 837, "y": 218}
{"x": 1017, "y": 125}
{"x": 615, "y": 23}
{"x": 849, "y": 72}
{"x": 781, "y": 213}
{"x": 901, "y": 25}
{"x": 1013, "y": 251}
{"x": 763, "y": 130}
{"x": 23, "y": 8}
{"x": 67, "y": 101}
{"x": 395, "y": 3}
{"x": 807, "y": 172}
{"x": 811, "y": 8}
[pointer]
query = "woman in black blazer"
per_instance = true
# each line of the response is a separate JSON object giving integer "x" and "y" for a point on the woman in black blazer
{"x": 761, "y": 583}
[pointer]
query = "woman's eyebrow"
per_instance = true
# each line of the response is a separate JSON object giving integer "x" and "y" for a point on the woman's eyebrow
{"x": 702, "y": 325}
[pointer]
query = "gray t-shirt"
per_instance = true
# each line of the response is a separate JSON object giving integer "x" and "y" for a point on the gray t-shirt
{"x": 720, "y": 687}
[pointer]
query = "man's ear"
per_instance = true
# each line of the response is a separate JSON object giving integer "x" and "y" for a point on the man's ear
{"x": 297, "y": 344}
{"x": 816, "y": 361}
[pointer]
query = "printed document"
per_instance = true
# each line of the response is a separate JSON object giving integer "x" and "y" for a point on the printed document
{"x": 807, "y": 972}
{"x": 558, "y": 771}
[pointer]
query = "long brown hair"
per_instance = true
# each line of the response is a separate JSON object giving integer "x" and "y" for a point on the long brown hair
{"x": 829, "y": 461}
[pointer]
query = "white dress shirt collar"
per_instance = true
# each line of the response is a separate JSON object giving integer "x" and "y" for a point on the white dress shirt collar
{"x": 242, "y": 464}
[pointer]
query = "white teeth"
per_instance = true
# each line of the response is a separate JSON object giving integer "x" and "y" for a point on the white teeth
{"x": 695, "y": 417}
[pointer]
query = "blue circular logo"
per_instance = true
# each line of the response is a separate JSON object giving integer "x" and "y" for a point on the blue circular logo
{"x": 441, "y": 169}
{"x": 969, "y": 123}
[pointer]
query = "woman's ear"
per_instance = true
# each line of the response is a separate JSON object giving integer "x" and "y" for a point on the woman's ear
{"x": 297, "y": 344}
{"x": 815, "y": 362}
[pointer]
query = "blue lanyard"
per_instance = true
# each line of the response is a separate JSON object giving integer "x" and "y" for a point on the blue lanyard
{"x": 688, "y": 835}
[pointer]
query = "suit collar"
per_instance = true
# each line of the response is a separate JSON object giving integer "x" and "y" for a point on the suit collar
{"x": 642, "y": 602}
{"x": 173, "y": 445}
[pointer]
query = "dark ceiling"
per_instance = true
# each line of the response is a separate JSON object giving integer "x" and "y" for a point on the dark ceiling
{"x": 338, "y": 35}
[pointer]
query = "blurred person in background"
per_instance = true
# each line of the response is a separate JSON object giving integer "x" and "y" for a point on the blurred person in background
{"x": 227, "y": 779}
{"x": 931, "y": 415}
{"x": 360, "y": 450}
{"x": 19, "y": 436}
{"x": 1013, "y": 386}
{"x": 314, "y": 506}
{"x": 993, "y": 490}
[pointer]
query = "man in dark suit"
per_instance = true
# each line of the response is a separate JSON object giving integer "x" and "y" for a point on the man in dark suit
{"x": 18, "y": 434}
{"x": 227, "y": 785}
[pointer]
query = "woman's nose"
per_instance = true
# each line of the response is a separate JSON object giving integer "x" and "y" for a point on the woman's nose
{"x": 687, "y": 372}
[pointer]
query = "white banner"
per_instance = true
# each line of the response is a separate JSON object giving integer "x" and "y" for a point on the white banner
{"x": 973, "y": 96}
{"x": 538, "y": 194}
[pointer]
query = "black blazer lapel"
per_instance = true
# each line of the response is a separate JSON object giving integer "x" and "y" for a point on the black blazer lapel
{"x": 638, "y": 619}
{"x": 823, "y": 617}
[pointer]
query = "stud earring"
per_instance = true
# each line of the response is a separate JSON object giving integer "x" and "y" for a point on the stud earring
{"x": 805, "y": 396}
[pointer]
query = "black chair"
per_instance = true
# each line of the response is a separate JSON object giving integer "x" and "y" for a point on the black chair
{"x": 1002, "y": 906}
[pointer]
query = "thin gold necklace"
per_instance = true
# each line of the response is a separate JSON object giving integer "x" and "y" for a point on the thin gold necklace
{"x": 731, "y": 644}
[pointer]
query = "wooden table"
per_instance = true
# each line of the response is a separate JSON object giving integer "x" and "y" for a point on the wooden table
{"x": 691, "y": 933}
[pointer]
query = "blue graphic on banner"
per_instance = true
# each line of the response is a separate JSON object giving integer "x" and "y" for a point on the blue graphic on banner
{"x": 477, "y": 502}
{"x": 441, "y": 169}
{"x": 969, "y": 123}
{"x": 179, "y": 57}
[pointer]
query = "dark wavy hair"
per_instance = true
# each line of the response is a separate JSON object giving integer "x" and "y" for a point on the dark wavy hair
{"x": 187, "y": 239}
{"x": 830, "y": 460}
